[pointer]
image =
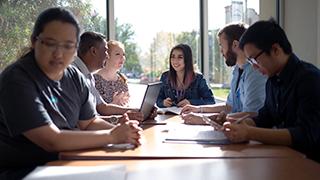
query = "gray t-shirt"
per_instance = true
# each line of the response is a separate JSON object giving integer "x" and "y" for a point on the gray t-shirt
{"x": 29, "y": 99}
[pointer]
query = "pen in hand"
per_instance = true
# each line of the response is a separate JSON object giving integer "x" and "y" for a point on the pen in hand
{"x": 241, "y": 119}
{"x": 219, "y": 126}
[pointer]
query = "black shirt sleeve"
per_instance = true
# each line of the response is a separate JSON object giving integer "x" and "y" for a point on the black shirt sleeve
{"x": 21, "y": 105}
{"x": 306, "y": 132}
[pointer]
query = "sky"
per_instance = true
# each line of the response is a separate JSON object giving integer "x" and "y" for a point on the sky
{"x": 150, "y": 16}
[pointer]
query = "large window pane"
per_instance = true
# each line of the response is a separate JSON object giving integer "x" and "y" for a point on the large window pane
{"x": 17, "y": 19}
{"x": 149, "y": 29}
{"x": 221, "y": 13}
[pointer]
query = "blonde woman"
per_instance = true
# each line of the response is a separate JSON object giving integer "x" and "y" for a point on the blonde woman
{"x": 111, "y": 84}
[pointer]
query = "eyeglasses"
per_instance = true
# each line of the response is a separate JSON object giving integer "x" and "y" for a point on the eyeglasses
{"x": 253, "y": 60}
{"x": 53, "y": 45}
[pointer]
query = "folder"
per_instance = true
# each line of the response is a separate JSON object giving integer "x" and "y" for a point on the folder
{"x": 199, "y": 134}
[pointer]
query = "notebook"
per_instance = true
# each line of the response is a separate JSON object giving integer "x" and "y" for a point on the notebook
{"x": 150, "y": 98}
{"x": 199, "y": 134}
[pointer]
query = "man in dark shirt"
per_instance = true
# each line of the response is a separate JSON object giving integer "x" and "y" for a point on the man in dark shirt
{"x": 291, "y": 113}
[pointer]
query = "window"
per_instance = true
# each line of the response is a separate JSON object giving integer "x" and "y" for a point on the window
{"x": 219, "y": 14}
{"x": 17, "y": 19}
{"x": 149, "y": 29}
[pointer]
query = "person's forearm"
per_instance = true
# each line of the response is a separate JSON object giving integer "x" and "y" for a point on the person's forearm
{"x": 111, "y": 109}
{"x": 99, "y": 124}
{"x": 74, "y": 140}
{"x": 216, "y": 108}
{"x": 52, "y": 139}
{"x": 270, "y": 136}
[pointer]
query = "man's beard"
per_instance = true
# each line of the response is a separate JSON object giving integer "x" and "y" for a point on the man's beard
{"x": 231, "y": 58}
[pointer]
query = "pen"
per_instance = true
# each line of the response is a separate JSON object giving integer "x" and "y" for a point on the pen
{"x": 241, "y": 119}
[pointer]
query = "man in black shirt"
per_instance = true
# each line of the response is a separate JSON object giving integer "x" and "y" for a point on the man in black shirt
{"x": 291, "y": 113}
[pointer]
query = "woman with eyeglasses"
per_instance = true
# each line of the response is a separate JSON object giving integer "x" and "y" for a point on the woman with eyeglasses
{"x": 45, "y": 104}
{"x": 181, "y": 84}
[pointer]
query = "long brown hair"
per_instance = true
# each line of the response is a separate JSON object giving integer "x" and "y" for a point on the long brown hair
{"x": 189, "y": 73}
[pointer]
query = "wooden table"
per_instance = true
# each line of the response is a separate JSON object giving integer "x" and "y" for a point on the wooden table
{"x": 153, "y": 147}
{"x": 239, "y": 168}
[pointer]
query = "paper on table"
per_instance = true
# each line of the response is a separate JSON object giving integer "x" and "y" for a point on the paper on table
{"x": 196, "y": 133}
{"x": 115, "y": 172}
{"x": 173, "y": 109}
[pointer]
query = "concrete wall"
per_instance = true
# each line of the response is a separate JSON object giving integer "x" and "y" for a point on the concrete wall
{"x": 301, "y": 24}
{"x": 301, "y": 21}
{"x": 267, "y": 9}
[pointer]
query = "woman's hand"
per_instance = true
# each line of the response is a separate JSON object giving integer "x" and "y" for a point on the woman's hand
{"x": 167, "y": 102}
{"x": 120, "y": 98}
{"x": 183, "y": 103}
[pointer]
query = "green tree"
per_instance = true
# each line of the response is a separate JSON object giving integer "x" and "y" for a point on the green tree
{"x": 17, "y": 18}
{"x": 158, "y": 56}
{"x": 191, "y": 39}
{"x": 125, "y": 34}
{"x": 220, "y": 72}
{"x": 160, "y": 51}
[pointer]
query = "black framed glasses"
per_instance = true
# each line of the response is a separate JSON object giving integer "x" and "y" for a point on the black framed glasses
{"x": 253, "y": 60}
{"x": 53, "y": 45}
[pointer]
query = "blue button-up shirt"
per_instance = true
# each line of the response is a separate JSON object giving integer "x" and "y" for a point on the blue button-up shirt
{"x": 250, "y": 93}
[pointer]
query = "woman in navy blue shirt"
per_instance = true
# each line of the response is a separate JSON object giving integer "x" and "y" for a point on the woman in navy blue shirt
{"x": 181, "y": 84}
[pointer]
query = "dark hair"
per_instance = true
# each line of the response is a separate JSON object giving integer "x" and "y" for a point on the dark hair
{"x": 233, "y": 32}
{"x": 54, "y": 14}
{"x": 189, "y": 73}
{"x": 87, "y": 40}
{"x": 263, "y": 34}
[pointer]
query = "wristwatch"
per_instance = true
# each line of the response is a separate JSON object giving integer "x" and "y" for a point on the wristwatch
{"x": 114, "y": 120}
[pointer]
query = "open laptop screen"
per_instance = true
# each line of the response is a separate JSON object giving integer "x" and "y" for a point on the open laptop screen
{"x": 150, "y": 98}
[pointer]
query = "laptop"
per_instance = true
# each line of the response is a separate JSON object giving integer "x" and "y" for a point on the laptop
{"x": 150, "y": 98}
